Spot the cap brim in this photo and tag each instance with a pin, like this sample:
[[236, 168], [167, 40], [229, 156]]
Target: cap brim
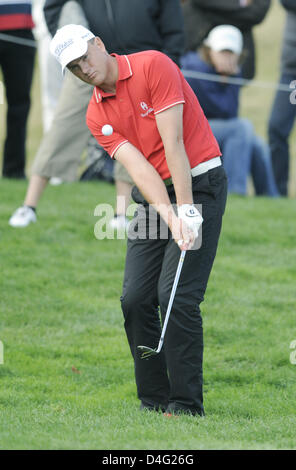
[[223, 46]]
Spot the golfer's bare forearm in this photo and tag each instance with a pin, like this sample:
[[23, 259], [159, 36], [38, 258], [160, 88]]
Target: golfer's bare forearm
[[170, 127], [179, 167]]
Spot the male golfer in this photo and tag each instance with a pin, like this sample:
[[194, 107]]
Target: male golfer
[[146, 116]]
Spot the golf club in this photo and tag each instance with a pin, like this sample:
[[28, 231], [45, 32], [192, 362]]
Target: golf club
[[147, 352]]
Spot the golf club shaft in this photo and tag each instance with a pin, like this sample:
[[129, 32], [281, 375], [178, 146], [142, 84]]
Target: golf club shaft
[[172, 296]]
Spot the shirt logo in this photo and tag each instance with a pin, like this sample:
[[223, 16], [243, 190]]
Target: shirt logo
[[146, 109]]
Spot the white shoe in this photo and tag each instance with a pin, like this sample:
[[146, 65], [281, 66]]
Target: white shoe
[[119, 222], [55, 181], [22, 217]]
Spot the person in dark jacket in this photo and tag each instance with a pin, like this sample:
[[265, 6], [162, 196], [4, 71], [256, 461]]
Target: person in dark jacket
[[283, 111], [200, 16], [17, 63], [125, 27], [129, 26]]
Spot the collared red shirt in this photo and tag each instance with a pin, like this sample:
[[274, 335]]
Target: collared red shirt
[[149, 83]]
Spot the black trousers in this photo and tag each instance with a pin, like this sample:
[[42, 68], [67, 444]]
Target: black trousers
[[17, 63], [172, 379]]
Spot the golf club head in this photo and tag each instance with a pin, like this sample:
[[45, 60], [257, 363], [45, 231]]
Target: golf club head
[[146, 351]]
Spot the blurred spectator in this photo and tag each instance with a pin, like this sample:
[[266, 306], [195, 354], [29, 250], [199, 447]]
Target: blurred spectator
[[136, 26], [283, 112], [51, 78], [203, 15], [50, 72], [17, 63], [243, 151]]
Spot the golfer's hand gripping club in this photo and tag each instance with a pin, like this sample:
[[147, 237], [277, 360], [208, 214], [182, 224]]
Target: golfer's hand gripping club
[[193, 220]]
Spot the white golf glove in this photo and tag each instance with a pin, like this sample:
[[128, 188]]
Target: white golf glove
[[190, 215]]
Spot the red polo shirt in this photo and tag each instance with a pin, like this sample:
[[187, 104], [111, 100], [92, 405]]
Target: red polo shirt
[[148, 83]]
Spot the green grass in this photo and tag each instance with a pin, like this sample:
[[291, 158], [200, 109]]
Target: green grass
[[60, 309]]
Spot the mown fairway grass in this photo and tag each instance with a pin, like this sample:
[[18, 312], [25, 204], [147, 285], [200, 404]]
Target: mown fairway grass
[[67, 378]]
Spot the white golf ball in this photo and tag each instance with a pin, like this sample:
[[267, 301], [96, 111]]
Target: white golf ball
[[107, 129]]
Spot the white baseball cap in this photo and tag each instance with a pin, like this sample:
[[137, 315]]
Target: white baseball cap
[[225, 37], [69, 43]]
